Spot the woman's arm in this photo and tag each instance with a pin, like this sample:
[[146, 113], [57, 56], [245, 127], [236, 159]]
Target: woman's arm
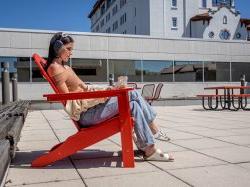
[[63, 88]]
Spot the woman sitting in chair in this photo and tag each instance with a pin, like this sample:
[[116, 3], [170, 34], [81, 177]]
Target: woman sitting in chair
[[94, 111]]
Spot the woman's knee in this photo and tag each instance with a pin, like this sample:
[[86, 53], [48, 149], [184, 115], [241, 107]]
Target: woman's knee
[[134, 94], [134, 106]]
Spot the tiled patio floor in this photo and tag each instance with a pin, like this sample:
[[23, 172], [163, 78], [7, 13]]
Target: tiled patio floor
[[211, 148]]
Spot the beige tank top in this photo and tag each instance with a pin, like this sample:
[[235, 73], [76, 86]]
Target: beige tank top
[[68, 77]]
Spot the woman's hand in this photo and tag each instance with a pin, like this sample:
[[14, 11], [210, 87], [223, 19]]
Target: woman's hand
[[104, 99], [84, 86], [110, 88]]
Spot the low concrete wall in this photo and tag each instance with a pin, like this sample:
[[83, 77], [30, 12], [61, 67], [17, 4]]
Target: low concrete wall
[[35, 91]]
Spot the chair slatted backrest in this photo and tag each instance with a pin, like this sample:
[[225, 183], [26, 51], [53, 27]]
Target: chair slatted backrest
[[148, 90], [158, 91], [41, 63]]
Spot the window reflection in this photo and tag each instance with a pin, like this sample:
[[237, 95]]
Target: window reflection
[[130, 68], [23, 69], [90, 70], [188, 71], [36, 74], [217, 71], [239, 68], [157, 71], [12, 64], [97, 70]]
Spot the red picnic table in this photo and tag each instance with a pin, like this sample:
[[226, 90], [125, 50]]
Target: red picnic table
[[227, 99]]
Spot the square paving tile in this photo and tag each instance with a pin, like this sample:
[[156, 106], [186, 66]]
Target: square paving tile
[[203, 143], [98, 151], [245, 131], [148, 179], [214, 133], [233, 154], [60, 183], [111, 166], [36, 145], [23, 174], [239, 139], [188, 159], [221, 176], [245, 165]]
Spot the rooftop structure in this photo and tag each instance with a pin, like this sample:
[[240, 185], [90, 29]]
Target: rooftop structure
[[206, 19]]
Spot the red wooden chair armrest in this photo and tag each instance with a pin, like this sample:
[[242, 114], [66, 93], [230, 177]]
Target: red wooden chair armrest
[[86, 95]]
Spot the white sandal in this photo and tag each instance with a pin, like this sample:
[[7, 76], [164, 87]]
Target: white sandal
[[159, 156], [160, 135]]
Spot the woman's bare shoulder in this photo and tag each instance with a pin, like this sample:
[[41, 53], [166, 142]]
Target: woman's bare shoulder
[[55, 69]]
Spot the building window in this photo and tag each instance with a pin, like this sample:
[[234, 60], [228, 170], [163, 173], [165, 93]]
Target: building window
[[225, 20], [23, 69], [122, 3], [102, 22], [108, 30], [135, 12], [130, 68], [115, 25], [97, 28], [107, 17], [114, 10], [239, 68], [135, 29], [204, 3], [188, 71], [102, 9], [228, 3], [216, 71], [123, 19], [109, 2], [35, 72], [238, 35], [211, 34], [90, 70], [157, 71], [174, 3], [225, 35], [174, 22]]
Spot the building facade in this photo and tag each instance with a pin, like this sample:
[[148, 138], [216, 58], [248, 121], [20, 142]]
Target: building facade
[[207, 19], [185, 66]]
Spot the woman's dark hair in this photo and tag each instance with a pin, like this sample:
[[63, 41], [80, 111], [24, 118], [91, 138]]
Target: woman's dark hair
[[60, 36]]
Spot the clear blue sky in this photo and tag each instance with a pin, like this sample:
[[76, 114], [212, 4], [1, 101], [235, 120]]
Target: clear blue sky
[[60, 14]]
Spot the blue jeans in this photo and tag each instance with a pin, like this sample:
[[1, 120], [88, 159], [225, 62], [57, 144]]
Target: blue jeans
[[142, 112]]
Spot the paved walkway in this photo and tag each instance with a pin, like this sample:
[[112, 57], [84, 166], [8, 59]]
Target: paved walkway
[[210, 149]]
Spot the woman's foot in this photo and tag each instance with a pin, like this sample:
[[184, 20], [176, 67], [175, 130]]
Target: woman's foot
[[160, 135], [158, 155]]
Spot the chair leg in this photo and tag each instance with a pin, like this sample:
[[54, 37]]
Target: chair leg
[[127, 146], [78, 142]]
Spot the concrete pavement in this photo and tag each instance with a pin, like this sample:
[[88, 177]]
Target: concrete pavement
[[211, 148]]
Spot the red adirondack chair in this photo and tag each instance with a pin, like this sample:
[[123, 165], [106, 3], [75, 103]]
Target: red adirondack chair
[[88, 136]]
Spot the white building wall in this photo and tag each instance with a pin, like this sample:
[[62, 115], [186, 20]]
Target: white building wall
[[154, 17], [198, 28], [216, 23], [23, 43], [157, 22], [171, 12], [193, 7], [242, 30], [142, 19]]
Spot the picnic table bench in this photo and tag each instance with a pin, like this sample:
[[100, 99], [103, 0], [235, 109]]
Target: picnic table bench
[[227, 100]]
